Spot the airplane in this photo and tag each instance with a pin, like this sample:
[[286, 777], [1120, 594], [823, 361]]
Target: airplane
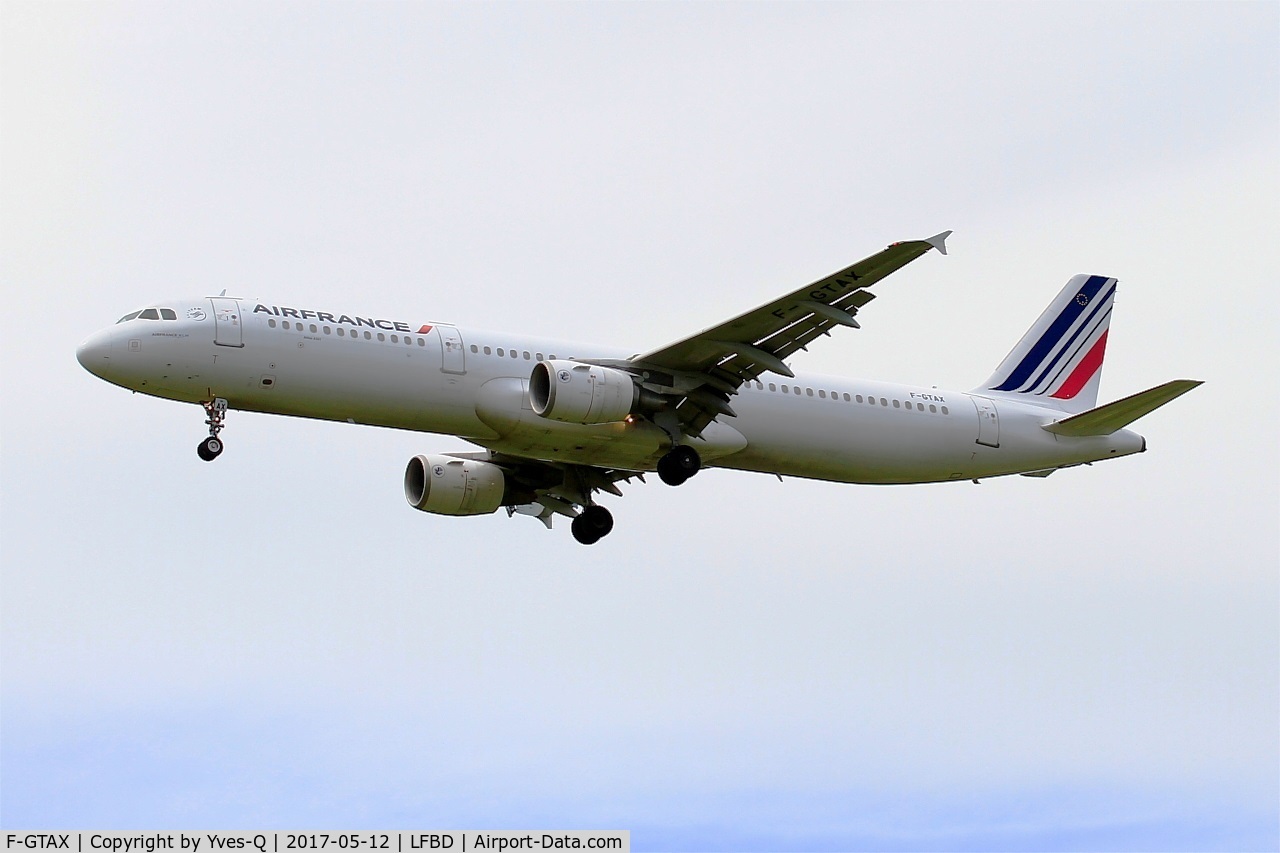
[[558, 422]]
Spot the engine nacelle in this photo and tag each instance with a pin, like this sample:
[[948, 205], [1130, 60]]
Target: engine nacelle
[[451, 486], [578, 393]]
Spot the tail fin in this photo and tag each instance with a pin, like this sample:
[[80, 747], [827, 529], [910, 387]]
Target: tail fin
[[1059, 359]]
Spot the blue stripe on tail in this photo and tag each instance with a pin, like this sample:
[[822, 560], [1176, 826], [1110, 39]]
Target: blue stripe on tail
[[1087, 328], [1053, 335]]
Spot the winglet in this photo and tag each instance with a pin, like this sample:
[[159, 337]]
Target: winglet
[[939, 241]]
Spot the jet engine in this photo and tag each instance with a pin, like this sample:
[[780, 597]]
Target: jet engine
[[578, 393], [451, 486]]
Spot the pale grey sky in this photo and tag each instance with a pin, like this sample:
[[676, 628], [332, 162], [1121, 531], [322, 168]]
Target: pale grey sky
[[1087, 661]]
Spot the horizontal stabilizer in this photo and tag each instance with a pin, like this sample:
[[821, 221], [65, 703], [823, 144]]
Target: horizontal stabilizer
[[1105, 420]]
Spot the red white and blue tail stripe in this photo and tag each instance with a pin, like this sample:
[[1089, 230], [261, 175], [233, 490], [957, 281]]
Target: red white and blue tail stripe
[[1059, 359]]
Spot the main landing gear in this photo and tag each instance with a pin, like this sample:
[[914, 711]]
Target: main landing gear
[[592, 524], [678, 465], [211, 447]]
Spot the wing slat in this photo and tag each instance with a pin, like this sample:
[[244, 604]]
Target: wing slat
[[759, 340]]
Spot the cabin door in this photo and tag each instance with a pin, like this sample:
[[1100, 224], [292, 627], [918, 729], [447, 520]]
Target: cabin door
[[988, 422], [227, 331], [455, 359]]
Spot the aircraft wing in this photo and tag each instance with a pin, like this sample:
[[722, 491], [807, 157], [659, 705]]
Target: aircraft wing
[[723, 357], [553, 488]]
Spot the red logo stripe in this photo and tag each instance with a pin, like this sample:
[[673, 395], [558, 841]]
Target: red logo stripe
[[424, 330], [1084, 370]]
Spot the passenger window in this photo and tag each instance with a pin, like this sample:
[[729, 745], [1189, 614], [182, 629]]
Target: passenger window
[[897, 405], [271, 323], [167, 314], [786, 389], [395, 339], [527, 357], [368, 337], [382, 337], [797, 390], [341, 333], [328, 331], [884, 402], [538, 356], [553, 356], [475, 348], [859, 397], [944, 411], [809, 391], [422, 342], [313, 328], [933, 410], [919, 407], [149, 314], [515, 354], [501, 352], [285, 323], [487, 351], [773, 387]]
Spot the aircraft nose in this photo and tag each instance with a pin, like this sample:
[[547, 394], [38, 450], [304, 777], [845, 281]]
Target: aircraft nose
[[94, 354]]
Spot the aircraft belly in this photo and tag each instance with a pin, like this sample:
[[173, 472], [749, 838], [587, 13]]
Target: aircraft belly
[[319, 378], [855, 445], [887, 445]]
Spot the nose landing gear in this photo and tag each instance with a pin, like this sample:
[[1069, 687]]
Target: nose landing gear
[[211, 447], [678, 465]]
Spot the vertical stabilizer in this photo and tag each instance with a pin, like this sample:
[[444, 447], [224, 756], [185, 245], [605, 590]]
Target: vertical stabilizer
[[1059, 359]]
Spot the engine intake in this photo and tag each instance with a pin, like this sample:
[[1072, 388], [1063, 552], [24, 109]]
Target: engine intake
[[578, 393], [448, 485]]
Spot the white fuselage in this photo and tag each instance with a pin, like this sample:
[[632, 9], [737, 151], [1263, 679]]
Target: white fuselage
[[474, 384]]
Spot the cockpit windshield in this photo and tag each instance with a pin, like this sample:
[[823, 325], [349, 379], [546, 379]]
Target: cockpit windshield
[[149, 314]]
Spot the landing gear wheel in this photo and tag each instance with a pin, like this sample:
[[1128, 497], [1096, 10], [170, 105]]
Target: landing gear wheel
[[592, 525], [677, 466], [209, 449], [216, 409]]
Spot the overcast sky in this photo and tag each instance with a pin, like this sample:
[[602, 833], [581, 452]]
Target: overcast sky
[[278, 641]]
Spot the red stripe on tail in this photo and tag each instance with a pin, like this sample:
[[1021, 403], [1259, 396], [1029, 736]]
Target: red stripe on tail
[[1084, 370]]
